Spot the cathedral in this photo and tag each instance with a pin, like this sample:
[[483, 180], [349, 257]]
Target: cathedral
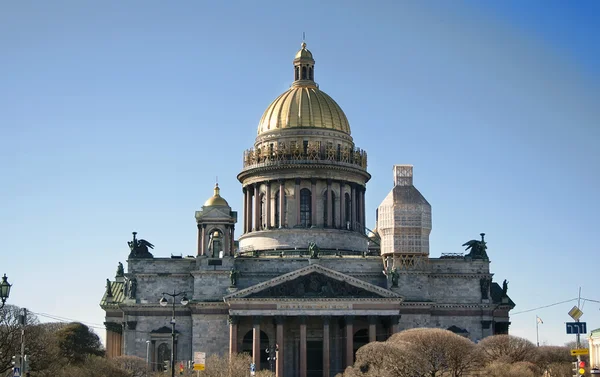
[[306, 283]]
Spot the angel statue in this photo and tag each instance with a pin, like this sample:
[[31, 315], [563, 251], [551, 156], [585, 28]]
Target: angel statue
[[139, 248], [478, 248]]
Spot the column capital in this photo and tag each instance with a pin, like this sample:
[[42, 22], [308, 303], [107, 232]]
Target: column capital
[[298, 180], [302, 319], [256, 320], [279, 319], [281, 181], [233, 320], [349, 319], [313, 181], [326, 319], [329, 180], [373, 319], [244, 189], [268, 183]]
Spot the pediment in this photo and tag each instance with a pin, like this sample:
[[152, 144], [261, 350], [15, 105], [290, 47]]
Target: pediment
[[222, 213], [314, 281]]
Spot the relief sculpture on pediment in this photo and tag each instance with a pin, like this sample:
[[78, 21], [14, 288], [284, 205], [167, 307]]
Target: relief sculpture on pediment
[[314, 285]]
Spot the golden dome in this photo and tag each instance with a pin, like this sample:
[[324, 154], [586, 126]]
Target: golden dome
[[304, 107], [216, 199]]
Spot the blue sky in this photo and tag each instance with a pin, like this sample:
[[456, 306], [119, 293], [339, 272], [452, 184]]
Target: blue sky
[[118, 116]]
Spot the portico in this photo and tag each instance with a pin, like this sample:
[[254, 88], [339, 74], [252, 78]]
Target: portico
[[316, 317]]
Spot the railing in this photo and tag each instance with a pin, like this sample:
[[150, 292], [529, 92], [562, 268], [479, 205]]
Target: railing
[[452, 255], [312, 152], [301, 253]]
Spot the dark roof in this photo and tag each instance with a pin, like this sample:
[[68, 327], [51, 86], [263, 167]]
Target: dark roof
[[497, 294]]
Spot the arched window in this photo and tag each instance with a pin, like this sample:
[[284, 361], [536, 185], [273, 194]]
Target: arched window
[[215, 243], [305, 208], [297, 73], [348, 209], [264, 344], [303, 73]]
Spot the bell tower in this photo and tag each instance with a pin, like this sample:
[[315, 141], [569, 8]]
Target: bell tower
[[216, 226]]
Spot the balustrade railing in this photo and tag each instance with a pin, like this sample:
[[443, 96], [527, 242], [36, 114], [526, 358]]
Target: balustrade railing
[[282, 153]]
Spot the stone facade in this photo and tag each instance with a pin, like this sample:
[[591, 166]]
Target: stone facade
[[305, 277]]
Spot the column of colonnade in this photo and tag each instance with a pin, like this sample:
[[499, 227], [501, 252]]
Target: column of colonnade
[[301, 321], [253, 205]]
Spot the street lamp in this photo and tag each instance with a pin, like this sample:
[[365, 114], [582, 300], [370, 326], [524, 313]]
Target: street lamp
[[147, 356], [271, 351], [163, 302], [4, 290]]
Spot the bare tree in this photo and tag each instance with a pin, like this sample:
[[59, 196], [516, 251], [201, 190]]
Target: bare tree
[[506, 348], [10, 334], [385, 359], [133, 365], [438, 350], [501, 369]]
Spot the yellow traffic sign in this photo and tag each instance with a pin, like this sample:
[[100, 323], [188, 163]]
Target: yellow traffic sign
[[575, 313], [580, 352], [198, 366]]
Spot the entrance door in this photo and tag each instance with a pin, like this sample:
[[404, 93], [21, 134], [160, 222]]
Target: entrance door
[[314, 358]]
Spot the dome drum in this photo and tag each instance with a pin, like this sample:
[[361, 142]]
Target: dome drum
[[328, 240]]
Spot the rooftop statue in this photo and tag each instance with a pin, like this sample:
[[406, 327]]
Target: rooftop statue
[[478, 248], [108, 289], [313, 250], [139, 248], [504, 288], [120, 270]]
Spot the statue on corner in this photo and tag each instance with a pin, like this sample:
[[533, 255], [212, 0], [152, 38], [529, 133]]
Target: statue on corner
[[139, 248], [120, 270], [131, 288], [478, 249]]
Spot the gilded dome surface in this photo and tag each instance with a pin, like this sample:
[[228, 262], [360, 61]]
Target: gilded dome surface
[[304, 107], [216, 199]]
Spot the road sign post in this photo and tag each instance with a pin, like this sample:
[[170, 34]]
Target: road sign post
[[199, 360]]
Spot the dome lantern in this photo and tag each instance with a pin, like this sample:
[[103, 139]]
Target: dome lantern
[[304, 67]]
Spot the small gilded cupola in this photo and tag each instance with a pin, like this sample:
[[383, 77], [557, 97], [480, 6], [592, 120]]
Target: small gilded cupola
[[304, 67]]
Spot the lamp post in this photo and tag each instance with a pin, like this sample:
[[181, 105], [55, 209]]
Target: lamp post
[[4, 290], [272, 352], [163, 302], [147, 356]]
